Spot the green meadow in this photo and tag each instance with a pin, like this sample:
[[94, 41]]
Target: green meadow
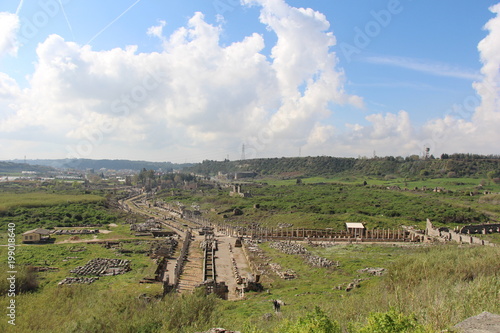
[[426, 288]]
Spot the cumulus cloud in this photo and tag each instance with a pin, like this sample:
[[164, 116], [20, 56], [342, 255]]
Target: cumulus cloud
[[157, 30], [307, 74], [193, 96], [9, 27], [196, 98]]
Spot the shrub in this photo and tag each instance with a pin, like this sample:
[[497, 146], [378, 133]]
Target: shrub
[[26, 281], [392, 321], [314, 322]]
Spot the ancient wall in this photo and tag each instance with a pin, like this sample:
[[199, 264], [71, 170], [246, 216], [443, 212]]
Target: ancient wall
[[450, 235], [182, 258]]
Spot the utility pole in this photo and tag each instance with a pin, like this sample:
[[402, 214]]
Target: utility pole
[[243, 152]]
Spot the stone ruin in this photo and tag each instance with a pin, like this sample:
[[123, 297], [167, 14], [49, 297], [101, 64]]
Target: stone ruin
[[148, 226], [102, 267], [262, 268], [356, 283], [288, 274], [165, 248], [297, 249], [373, 271], [76, 232], [219, 330], [213, 287], [78, 280]]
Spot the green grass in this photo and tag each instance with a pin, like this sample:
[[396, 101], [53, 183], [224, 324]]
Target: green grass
[[329, 205], [440, 285], [36, 199], [62, 257]]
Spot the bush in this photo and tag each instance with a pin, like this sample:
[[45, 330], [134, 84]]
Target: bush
[[314, 322], [26, 281], [392, 322]]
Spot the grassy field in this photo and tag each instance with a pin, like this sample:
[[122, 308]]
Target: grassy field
[[40, 199], [327, 203], [438, 286]]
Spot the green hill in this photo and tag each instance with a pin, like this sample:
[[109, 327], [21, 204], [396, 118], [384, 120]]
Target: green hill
[[15, 168], [458, 165]]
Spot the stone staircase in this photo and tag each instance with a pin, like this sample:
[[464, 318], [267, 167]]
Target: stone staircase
[[192, 273]]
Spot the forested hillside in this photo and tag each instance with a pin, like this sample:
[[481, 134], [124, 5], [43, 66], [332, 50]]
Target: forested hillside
[[457, 165], [82, 164], [10, 167]]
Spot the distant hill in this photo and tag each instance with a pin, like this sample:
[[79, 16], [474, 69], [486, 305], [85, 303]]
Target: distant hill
[[458, 165], [11, 167], [83, 164]]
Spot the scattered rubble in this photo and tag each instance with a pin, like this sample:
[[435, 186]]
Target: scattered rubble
[[219, 330], [78, 280], [76, 232], [373, 271], [101, 267], [166, 248], [287, 274], [44, 269], [147, 226], [356, 283], [297, 249]]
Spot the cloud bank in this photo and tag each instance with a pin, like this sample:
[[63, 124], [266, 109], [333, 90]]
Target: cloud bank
[[197, 99]]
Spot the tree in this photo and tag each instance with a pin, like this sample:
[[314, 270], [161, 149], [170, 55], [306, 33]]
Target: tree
[[424, 173]]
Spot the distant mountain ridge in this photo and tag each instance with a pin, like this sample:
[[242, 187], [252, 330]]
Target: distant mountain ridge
[[83, 164]]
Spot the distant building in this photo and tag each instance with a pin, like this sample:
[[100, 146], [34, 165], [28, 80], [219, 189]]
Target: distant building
[[236, 192], [36, 236], [246, 174], [355, 228]]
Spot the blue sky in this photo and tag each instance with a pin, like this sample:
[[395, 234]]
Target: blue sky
[[342, 78]]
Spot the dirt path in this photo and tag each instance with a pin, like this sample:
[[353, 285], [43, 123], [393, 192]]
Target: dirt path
[[224, 264]]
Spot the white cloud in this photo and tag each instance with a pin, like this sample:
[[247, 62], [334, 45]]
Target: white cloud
[[157, 30], [9, 27], [195, 96], [197, 99]]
